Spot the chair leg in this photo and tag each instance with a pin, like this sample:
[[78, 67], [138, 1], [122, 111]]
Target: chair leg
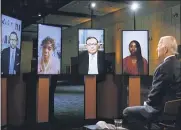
[[149, 126], [162, 128]]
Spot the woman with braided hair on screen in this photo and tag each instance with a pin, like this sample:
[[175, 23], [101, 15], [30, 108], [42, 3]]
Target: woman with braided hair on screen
[[135, 63]]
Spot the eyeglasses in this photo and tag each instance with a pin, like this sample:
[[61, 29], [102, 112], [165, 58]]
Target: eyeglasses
[[93, 44], [13, 40]]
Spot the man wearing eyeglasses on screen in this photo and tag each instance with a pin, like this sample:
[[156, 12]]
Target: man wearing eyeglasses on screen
[[10, 63], [92, 60], [48, 64]]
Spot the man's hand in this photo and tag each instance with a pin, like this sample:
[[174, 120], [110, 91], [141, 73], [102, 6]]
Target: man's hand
[[145, 103], [39, 69]]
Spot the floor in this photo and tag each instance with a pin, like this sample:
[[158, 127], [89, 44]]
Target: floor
[[46, 126]]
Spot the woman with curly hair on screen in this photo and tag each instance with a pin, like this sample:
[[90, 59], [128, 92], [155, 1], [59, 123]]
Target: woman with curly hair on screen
[[48, 64]]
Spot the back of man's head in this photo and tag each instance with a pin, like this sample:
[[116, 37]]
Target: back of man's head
[[170, 43]]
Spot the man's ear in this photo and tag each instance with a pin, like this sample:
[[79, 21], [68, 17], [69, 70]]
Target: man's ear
[[9, 39], [99, 45], [85, 45], [166, 50]]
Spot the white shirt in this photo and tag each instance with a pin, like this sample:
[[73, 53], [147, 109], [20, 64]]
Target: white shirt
[[12, 61], [168, 57], [53, 66], [93, 69]]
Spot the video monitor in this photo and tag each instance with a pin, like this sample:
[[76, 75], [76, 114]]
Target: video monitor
[[91, 51], [49, 50], [135, 52], [10, 45]]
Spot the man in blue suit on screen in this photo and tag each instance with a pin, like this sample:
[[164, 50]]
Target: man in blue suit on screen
[[10, 57], [91, 61]]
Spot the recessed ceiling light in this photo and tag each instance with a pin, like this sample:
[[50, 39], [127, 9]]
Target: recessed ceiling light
[[93, 4], [134, 6]]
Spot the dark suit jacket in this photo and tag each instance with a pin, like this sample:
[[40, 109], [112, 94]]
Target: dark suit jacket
[[5, 54], [84, 62], [166, 83]]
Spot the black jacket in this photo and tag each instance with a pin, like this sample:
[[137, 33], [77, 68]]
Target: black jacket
[[5, 55], [166, 83], [84, 63]]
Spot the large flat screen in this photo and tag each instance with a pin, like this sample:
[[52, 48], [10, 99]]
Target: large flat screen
[[10, 45], [91, 51], [135, 52], [49, 50]]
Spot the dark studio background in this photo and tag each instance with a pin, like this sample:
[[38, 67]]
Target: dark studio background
[[21, 104]]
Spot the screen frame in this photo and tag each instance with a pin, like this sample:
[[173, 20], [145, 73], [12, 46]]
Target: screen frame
[[51, 114], [118, 79], [147, 51], [179, 51], [17, 74], [104, 72], [47, 75]]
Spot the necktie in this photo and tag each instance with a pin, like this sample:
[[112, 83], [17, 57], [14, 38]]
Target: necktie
[[12, 63], [92, 57]]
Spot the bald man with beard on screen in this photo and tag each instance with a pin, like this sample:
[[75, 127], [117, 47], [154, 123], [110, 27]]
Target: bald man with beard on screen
[[91, 61]]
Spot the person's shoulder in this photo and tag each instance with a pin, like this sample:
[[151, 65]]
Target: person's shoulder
[[5, 50], [55, 63], [55, 59], [126, 58], [101, 52], [39, 59], [169, 65], [83, 53], [145, 60], [169, 62], [18, 49]]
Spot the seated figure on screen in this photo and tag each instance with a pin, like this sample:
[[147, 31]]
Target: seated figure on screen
[[48, 64], [135, 64], [10, 62], [92, 60]]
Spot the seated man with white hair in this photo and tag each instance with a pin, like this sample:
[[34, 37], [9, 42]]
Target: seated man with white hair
[[165, 85]]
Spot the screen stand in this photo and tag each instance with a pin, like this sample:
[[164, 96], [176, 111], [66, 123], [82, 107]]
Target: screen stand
[[134, 91], [3, 102], [90, 96], [134, 84], [42, 111]]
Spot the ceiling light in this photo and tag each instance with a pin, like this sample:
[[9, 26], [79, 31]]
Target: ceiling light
[[39, 14], [134, 6], [93, 4]]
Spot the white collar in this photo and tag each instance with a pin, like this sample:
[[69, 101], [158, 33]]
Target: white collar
[[168, 57], [94, 55], [12, 50]]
